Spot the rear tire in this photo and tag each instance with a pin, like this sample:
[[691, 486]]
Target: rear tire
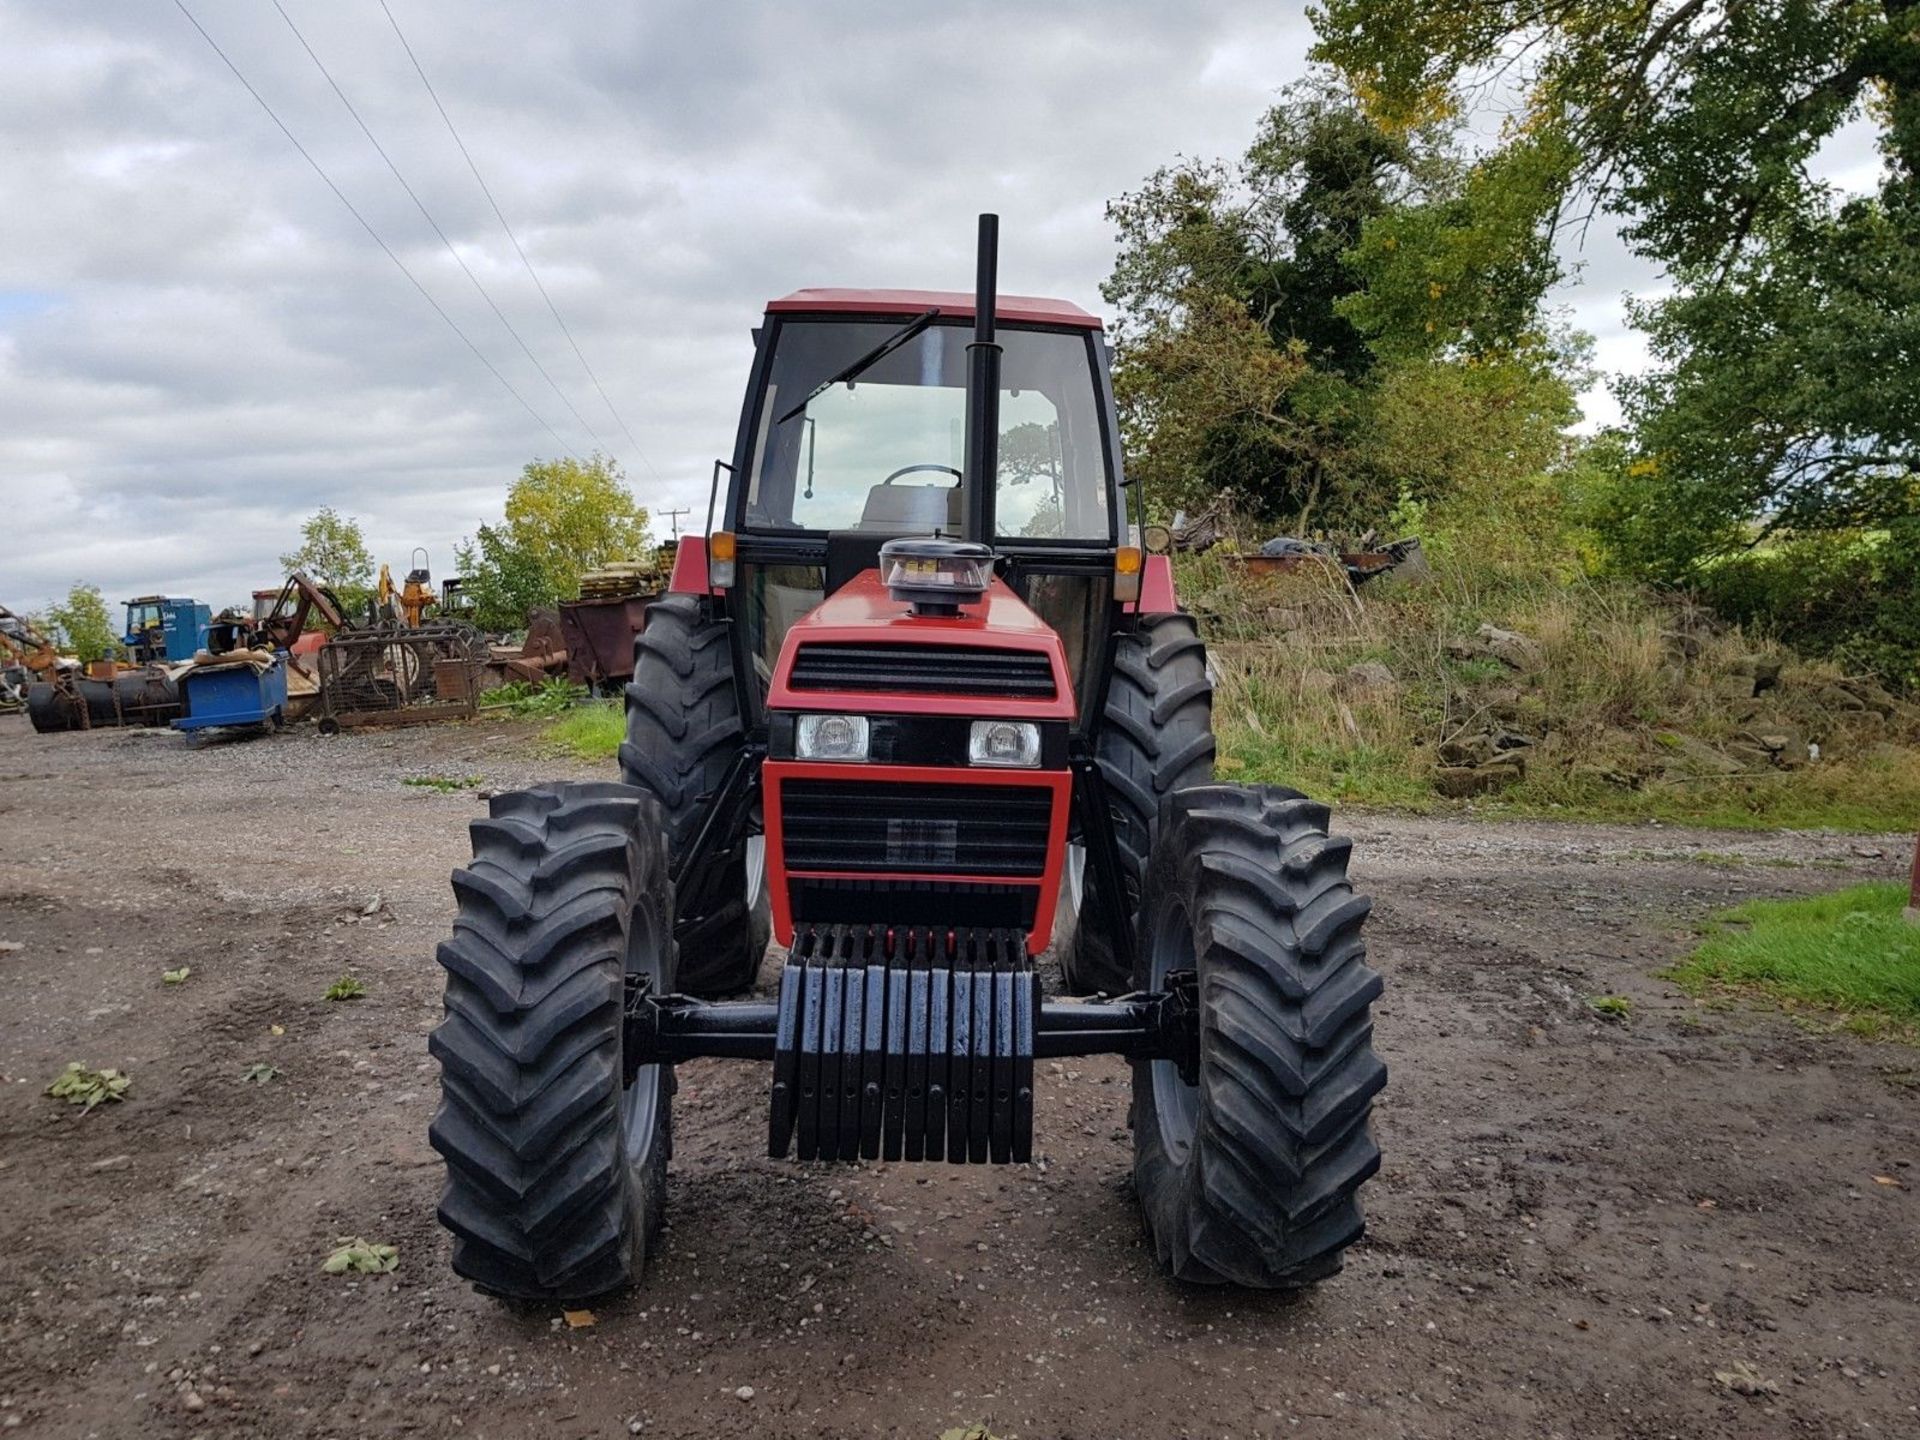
[[683, 731], [556, 1171], [1155, 736], [1252, 1175]]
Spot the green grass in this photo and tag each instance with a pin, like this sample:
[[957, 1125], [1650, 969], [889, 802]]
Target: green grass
[[1358, 773], [1850, 952], [592, 731], [1867, 797]]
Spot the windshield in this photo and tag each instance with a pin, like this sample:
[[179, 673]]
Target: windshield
[[883, 454]]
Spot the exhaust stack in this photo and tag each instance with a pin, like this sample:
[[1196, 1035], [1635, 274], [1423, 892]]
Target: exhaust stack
[[982, 463]]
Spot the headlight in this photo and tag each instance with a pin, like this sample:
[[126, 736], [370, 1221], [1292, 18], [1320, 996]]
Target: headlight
[[1014, 744], [831, 737]]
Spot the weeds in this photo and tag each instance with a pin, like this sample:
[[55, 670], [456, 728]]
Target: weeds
[[346, 988], [445, 784], [77, 1085], [176, 977], [1611, 1007], [549, 698], [1617, 669]]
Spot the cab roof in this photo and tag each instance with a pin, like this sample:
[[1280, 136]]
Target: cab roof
[[1009, 309]]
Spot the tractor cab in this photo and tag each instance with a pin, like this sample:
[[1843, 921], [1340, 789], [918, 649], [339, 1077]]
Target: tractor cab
[[165, 629], [854, 432]]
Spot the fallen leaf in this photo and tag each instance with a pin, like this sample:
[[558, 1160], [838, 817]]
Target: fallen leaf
[[580, 1319], [1888, 1180], [1708, 1205], [175, 977], [277, 1029]]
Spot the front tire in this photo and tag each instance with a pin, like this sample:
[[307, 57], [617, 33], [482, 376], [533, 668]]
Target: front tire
[[1155, 736], [556, 1170], [1251, 1176], [683, 731]]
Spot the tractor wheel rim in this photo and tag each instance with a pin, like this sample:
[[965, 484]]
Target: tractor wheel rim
[[640, 1100], [1176, 1104], [756, 869]]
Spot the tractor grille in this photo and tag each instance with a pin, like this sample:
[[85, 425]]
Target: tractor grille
[[924, 670], [916, 829]]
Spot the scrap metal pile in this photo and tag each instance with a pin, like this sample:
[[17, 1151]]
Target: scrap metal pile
[[412, 657]]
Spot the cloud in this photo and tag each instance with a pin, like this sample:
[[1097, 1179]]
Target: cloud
[[199, 345]]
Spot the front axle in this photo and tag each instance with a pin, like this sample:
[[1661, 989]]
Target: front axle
[[908, 1044]]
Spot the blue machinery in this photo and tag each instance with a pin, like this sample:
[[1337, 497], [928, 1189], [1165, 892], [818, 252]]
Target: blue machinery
[[238, 693]]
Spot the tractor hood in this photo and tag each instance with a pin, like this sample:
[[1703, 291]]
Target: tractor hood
[[860, 649]]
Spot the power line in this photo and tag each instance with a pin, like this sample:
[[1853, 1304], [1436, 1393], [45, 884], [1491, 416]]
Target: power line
[[486, 190], [340, 195], [427, 215]]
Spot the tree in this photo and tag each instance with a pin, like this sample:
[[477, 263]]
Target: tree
[[1785, 392], [1269, 309], [1697, 118], [1784, 400], [82, 625], [563, 518], [1779, 429], [333, 552]]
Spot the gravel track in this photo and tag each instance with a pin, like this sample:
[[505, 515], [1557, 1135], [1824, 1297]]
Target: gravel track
[[1669, 1226]]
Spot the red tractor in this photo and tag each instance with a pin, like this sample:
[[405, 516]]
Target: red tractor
[[921, 710]]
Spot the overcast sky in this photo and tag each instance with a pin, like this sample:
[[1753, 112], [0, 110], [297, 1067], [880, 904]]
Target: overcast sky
[[199, 344]]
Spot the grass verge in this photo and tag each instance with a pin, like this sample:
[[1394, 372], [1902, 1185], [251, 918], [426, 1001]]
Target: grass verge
[[1850, 952], [592, 731], [1633, 707]]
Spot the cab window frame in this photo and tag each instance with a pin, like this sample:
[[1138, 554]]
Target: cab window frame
[[793, 539]]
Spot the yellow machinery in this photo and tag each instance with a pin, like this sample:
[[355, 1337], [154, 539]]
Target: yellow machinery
[[409, 603]]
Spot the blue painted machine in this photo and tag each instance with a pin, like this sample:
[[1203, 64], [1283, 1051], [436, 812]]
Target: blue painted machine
[[235, 692], [166, 628]]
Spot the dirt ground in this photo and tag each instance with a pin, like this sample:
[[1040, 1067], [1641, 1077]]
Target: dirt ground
[[1583, 1227]]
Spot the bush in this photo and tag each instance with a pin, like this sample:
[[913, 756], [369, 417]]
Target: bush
[[1850, 595]]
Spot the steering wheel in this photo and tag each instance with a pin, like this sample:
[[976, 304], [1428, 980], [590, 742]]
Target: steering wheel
[[915, 469]]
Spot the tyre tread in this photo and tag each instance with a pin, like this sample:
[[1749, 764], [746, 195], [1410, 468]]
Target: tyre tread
[[1269, 1194], [538, 1196]]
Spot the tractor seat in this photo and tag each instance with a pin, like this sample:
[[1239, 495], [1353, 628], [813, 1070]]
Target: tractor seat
[[911, 510]]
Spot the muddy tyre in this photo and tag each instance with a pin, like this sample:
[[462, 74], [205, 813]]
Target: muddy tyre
[[1251, 1176], [1156, 736], [556, 1169], [683, 731]]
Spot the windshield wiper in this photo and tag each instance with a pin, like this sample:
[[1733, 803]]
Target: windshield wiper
[[865, 363]]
